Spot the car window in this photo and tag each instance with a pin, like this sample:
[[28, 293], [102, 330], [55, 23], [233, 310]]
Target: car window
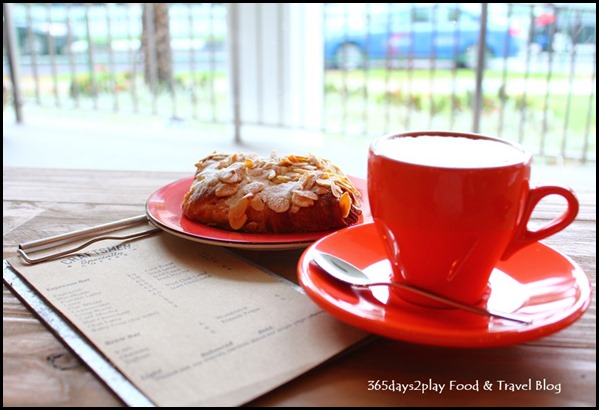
[[456, 14], [421, 14]]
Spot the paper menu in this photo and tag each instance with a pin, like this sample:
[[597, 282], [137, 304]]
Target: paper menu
[[187, 323]]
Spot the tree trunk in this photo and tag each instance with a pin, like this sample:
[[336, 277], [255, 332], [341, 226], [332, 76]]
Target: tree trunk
[[156, 30]]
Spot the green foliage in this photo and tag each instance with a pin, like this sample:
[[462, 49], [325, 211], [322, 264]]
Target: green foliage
[[88, 85], [534, 118]]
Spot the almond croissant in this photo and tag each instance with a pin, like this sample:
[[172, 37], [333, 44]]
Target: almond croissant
[[243, 192]]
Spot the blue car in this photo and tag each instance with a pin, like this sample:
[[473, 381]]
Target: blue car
[[360, 34]]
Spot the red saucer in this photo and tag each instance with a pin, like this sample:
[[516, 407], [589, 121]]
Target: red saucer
[[538, 282]]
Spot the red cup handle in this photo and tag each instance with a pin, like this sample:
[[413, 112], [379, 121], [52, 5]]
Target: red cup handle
[[523, 237]]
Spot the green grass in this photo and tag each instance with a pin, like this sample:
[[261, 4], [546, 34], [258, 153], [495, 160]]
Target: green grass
[[104, 41], [382, 74], [558, 118], [359, 105]]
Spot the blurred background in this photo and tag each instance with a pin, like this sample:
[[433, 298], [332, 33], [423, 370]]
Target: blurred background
[[335, 74]]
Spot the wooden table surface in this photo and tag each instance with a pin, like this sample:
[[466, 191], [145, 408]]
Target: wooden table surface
[[39, 371]]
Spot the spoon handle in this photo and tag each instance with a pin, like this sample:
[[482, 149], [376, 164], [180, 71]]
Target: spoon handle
[[450, 302], [348, 273]]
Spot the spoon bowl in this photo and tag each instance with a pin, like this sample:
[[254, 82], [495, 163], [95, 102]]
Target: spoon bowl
[[348, 273]]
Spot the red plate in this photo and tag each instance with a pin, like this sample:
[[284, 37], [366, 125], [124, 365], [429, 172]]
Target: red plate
[[537, 282], [164, 210]]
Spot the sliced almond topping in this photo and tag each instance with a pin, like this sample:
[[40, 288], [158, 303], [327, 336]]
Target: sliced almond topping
[[301, 201], [238, 209], [278, 204], [255, 172], [253, 187], [320, 190], [229, 176], [237, 224], [335, 190], [304, 179], [226, 189], [345, 183], [300, 171], [345, 204], [257, 204], [305, 167], [324, 182], [306, 194], [310, 181], [285, 161]]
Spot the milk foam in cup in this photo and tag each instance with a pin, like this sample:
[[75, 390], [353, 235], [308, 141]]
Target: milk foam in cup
[[451, 152]]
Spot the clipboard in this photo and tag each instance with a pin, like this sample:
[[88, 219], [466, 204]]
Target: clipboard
[[74, 341], [101, 362]]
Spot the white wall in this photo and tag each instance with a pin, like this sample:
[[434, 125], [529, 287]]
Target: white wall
[[280, 50]]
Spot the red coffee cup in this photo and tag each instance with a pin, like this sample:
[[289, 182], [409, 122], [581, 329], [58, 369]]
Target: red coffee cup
[[450, 205]]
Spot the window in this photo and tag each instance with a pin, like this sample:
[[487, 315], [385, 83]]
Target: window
[[421, 15]]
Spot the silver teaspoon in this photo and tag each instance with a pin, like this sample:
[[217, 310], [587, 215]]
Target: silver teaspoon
[[348, 273]]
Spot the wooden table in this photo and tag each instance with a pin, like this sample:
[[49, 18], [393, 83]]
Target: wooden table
[[39, 371]]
